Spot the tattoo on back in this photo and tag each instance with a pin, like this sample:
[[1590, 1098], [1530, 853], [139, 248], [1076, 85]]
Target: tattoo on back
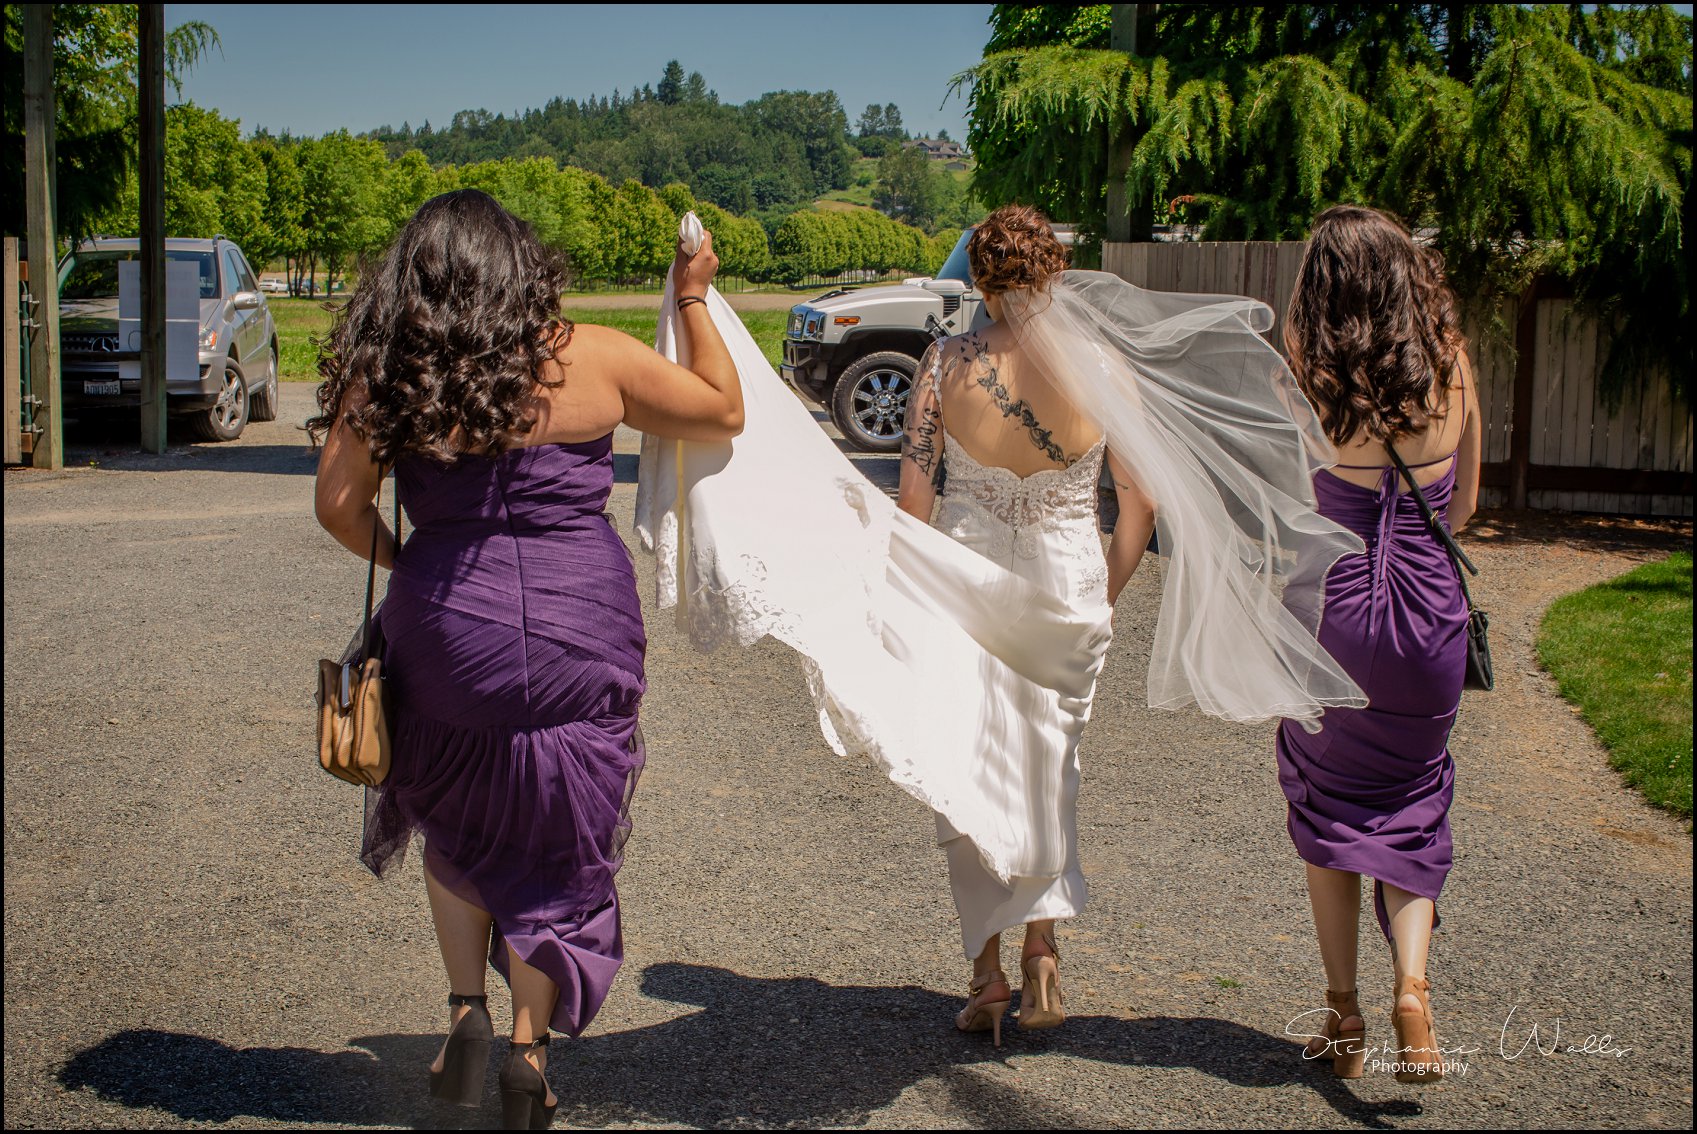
[[1015, 408]]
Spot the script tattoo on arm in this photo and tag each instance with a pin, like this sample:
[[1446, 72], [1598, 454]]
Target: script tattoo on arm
[[922, 441]]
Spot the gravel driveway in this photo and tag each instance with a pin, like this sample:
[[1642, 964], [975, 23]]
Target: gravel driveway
[[189, 939]]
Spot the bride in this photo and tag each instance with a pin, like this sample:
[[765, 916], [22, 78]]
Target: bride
[[962, 657], [997, 458]]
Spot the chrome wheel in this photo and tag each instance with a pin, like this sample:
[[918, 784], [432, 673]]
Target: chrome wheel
[[880, 403]]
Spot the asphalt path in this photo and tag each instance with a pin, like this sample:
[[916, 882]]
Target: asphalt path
[[190, 940]]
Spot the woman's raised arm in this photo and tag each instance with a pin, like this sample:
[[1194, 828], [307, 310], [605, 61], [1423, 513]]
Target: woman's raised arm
[[702, 402]]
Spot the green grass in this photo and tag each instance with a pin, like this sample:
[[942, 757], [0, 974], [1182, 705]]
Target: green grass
[[767, 327], [1227, 982], [298, 320], [1621, 652]]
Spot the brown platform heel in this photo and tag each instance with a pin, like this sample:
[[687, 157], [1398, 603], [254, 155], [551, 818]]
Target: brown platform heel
[[524, 1090], [465, 1058], [1419, 1060], [1040, 997], [986, 1015], [1347, 1046]]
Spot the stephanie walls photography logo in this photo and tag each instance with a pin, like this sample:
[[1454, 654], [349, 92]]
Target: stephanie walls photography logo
[[1521, 1036]]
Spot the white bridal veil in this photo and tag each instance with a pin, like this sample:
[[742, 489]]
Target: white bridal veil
[[1208, 418], [901, 630]]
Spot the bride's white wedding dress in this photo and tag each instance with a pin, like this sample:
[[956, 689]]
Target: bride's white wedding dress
[[1041, 527], [962, 658]]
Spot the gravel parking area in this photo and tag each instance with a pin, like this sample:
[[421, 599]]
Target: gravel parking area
[[190, 940]]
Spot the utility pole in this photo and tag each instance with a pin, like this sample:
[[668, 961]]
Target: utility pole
[[152, 144], [39, 105]]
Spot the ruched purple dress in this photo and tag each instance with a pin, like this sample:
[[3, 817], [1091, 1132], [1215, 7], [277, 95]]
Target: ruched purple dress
[[514, 657], [1371, 791]]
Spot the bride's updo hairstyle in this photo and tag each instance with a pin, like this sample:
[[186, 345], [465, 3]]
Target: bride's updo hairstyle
[[446, 337], [1372, 331], [1013, 248]]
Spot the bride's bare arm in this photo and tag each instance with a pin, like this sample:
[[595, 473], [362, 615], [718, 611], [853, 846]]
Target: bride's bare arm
[[922, 442], [1131, 531]]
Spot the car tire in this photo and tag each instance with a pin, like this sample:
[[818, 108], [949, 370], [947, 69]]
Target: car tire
[[869, 403], [225, 420], [264, 404]]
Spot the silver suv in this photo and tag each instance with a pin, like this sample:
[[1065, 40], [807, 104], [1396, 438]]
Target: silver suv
[[236, 379]]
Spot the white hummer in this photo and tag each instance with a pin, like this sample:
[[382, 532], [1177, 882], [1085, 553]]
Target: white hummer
[[855, 352]]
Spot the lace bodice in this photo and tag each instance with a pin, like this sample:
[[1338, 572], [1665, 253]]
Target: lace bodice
[[1027, 506]]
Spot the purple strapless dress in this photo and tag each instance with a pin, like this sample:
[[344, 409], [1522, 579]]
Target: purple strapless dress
[[514, 660], [1371, 791]]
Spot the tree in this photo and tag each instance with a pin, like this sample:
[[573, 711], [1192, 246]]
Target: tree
[[893, 122], [95, 69], [871, 124], [341, 182], [283, 201], [1531, 139], [906, 188], [671, 90]]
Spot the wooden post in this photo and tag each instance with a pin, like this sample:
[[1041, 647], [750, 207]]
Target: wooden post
[[1123, 21], [14, 357], [1520, 419], [42, 252], [152, 144]]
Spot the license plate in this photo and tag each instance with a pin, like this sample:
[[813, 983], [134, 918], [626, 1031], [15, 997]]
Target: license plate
[[99, 388]]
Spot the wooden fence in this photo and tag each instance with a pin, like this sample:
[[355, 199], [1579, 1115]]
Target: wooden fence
[[1549, 441]]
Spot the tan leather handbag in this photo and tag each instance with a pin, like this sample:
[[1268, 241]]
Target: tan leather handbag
[[353, 708]]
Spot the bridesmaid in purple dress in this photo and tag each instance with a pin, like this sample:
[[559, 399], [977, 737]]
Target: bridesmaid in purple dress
[[514, 638], [1373, 341]]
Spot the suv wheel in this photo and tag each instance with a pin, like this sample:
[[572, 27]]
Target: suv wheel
[[228, 416], [264, 405], [869, 404]]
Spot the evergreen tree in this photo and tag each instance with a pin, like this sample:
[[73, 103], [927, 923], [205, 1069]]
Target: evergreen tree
[[672, 84], [1531, 139]]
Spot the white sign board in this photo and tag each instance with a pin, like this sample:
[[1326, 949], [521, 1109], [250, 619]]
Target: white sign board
[[182, 319]]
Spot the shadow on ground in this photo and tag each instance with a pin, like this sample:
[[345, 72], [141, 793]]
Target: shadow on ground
[[783, 1052], [1502, 526]]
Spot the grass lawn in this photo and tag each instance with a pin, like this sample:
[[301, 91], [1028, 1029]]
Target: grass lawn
[[299, 320], [1621, 652]]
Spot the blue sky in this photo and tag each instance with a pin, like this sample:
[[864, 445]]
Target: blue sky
[[314, 68]]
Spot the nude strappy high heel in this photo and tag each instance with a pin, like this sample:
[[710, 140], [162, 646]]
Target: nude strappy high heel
[[985, 1015], [465, 1059], [1347, 1046], [1040, 997], [1419, 1061]]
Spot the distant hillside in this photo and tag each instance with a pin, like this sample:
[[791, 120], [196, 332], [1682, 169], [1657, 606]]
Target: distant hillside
[[776, 153]]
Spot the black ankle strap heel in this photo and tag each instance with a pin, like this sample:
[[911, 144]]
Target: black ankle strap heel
[[465, 1060], [524, 1089]]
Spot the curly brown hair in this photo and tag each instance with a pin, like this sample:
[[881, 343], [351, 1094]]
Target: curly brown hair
[[1014, 247], [1372, 331], [448, 336]]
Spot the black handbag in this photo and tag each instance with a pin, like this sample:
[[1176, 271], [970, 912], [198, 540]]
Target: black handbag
[[1478, 622]]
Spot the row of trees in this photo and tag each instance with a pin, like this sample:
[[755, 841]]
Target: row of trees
[[1531, 139], [321, 203]]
